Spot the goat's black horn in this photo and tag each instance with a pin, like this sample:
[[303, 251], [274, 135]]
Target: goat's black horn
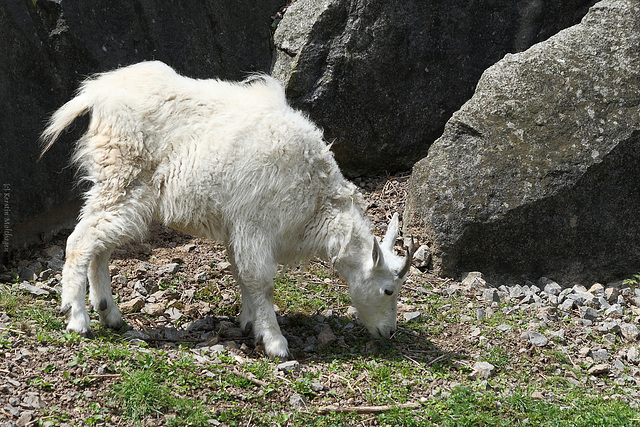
[[411, 249]]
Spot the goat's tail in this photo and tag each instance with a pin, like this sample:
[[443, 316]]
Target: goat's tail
[[62, 118]]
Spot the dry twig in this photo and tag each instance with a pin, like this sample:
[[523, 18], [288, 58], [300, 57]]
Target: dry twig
[[15, 331], [366, 409], [103, 375], [249, 378]]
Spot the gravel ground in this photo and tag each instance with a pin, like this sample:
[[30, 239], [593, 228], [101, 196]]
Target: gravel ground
[[175, 291]]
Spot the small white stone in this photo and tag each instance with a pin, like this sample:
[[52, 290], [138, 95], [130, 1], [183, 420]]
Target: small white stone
[[483, 370], [535, 338], [289, 366], [633, 355], [629, 331], [412, 315]]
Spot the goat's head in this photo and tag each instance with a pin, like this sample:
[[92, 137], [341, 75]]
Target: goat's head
[[374, 292]]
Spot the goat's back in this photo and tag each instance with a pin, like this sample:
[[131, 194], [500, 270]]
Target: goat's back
[[215, 158]]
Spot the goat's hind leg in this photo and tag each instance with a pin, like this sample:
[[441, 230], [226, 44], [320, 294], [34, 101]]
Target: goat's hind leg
[[247, 314], [88, 250], [100, 291], [80, 251]]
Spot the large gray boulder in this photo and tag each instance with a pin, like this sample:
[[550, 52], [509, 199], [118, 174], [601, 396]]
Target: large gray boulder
[[539, 173], [383, 77], [48, 46]]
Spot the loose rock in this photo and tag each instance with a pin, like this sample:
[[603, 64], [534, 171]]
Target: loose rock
[[289, 366], [491, 295], [535, 338], [326, 337], [32, 289], [551, 287], [422, 256], [599, 369], [171, 268], [483, 370], [411, 316], [297, 402], [589, 313], [537, 395], [601, 355], [633, 355], [629, 331], [473, 280], [132, 306]]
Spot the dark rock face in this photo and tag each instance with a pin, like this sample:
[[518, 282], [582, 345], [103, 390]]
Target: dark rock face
[[383, 77], [537, 175], [47, 47]]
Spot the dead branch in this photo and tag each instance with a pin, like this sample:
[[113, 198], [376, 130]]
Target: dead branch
[[366, 409]]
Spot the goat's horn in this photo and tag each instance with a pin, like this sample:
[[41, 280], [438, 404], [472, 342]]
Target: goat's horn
[[411, 249]]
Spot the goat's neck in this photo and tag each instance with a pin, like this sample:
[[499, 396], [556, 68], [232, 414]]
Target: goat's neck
[[349, 243]]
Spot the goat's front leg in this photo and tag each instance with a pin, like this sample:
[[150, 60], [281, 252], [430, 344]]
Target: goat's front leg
[[265, 326]]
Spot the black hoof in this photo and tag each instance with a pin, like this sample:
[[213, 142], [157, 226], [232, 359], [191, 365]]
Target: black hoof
[[248, 328], [122, 327], [88, 334]]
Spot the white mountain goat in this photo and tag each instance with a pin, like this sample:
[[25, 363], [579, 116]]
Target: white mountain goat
[[221, 160]]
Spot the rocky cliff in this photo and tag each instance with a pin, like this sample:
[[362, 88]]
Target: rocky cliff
[[538, 173], [48, 46], [383, 77]]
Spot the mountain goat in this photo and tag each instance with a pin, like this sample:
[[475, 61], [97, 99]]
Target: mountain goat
[[222, 160]]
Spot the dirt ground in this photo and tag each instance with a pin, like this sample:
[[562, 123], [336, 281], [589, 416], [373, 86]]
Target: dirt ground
[[46, 382]]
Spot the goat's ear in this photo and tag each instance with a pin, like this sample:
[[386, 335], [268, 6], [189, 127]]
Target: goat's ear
[[376, 254], [392, 233]]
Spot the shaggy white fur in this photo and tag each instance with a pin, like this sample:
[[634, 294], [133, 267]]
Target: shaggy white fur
[[222, 160]]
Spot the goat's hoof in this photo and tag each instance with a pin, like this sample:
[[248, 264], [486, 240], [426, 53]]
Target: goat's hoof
[[247, 328], [88, 334], [117, 324], [84, 334], [122, 327], [277, 347], [284, 358]]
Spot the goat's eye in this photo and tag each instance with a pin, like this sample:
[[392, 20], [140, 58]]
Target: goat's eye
[[388, 292]]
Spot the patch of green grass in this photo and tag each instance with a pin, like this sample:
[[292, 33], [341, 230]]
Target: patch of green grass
[[303, 386], [499, 357], [308, 292], [557, 357], [261, 368], [141, 393], [467, 408], [45, 318], [210, 293], [156, 386], [189, 412], [634, 282], [4, 342], [9, 301], [41, 384], [296, 295]]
